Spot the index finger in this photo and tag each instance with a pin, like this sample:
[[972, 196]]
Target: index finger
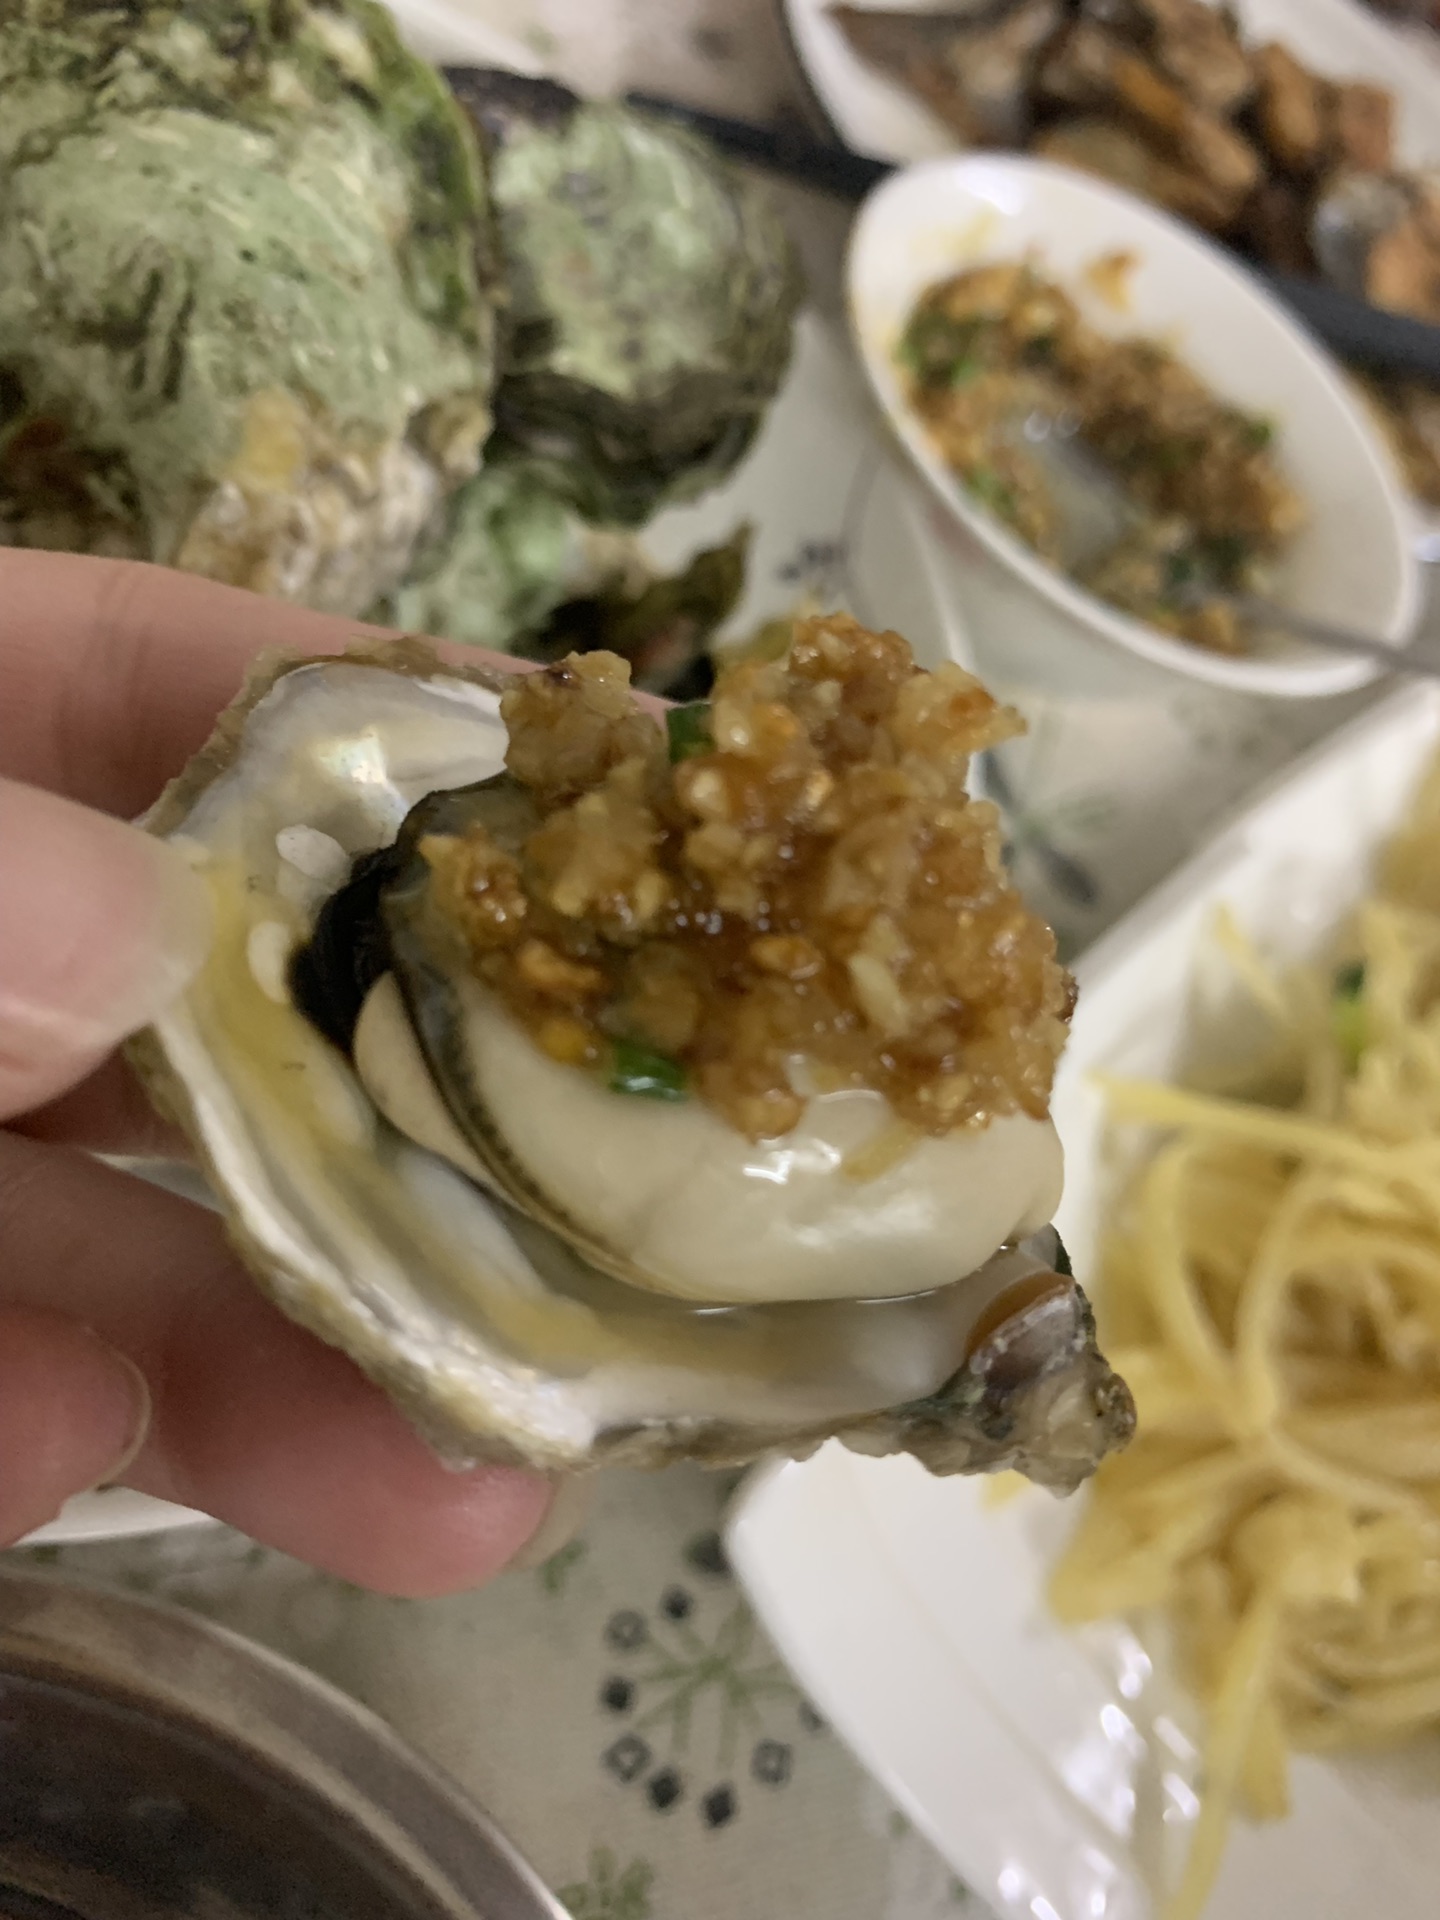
[[112, 671]]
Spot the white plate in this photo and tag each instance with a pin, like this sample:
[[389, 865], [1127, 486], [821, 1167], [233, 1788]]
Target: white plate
[[1335, 37], [835, 518], [114, 1514], [1038, 1760], [1351, 561]]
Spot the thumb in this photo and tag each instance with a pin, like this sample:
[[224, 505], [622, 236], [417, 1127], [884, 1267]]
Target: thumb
[[101, 926]]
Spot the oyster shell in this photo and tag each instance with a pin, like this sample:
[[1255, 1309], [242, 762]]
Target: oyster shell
[[478, 1309], [652, 294], [505, 552], [234, 408], [512, 568]]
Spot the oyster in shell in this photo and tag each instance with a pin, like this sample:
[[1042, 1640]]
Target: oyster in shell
[[652, 294], [246, 290], [537, 1262], [504, 554], [513, 569]]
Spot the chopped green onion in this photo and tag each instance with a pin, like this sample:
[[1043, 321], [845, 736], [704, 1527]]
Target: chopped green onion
[[934, 345], [1259, 433], [1347, 1014], [964, 371], [688, 730], [1226, 554], [1350, 981], [988, 487], [640, 1070]]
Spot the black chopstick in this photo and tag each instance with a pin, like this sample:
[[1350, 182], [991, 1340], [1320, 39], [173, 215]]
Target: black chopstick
[[1352, 329], [810, 163]]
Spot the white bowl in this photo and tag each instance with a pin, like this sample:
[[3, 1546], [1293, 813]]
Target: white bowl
[[1038, 1759], [1352, 562]]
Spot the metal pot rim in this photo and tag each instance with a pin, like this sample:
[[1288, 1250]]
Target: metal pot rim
[[210, 1684]]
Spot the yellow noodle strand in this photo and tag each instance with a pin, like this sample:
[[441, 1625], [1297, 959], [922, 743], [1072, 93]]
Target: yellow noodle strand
[[1237, 1704]]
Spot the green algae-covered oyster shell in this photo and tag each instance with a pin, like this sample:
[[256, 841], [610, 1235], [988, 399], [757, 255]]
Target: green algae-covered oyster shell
[[511, 567], [504, 554], [246, 310], [652, 294]]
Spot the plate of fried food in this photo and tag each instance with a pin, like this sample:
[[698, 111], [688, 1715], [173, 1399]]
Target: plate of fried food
[[1212, 1683], [1303, 133]]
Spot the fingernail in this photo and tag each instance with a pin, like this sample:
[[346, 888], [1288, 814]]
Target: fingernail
[[73, 1415], [132, 1411], [568, 1510]]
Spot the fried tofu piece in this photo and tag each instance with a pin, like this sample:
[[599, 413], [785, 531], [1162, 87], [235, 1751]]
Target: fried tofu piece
[[1362, 126], [977, 79], [1092, 69], [1193, 44], [1290, 107], [1403, 269], [1119, 154]]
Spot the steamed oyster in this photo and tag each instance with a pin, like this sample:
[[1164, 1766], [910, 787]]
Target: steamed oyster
[[652, 292], [246, 298], [657, 1095]]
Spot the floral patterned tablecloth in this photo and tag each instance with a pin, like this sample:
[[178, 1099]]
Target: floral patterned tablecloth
[[618, 1709]]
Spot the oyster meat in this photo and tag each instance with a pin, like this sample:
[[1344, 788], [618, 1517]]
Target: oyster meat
[[496, 1066], [246, 302]]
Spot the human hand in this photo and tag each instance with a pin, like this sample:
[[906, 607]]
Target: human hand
[[132, 1344]]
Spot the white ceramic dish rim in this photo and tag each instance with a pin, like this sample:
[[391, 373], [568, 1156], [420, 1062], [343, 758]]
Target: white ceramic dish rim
[[1225, 846], [114, 1513], [1279, 676]]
